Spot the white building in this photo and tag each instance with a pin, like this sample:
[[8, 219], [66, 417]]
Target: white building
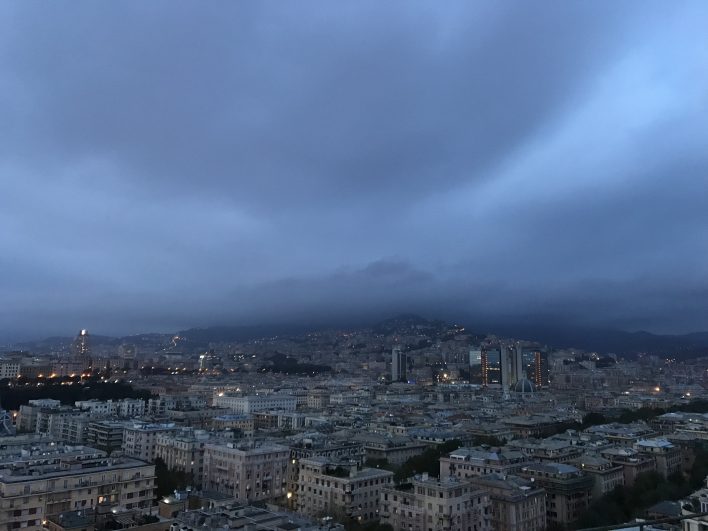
[[9, 368], [126, 408], [140, 439], [251, 403]]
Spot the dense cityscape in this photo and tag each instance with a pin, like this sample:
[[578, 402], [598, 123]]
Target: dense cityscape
[[407, 425], [320, 265]]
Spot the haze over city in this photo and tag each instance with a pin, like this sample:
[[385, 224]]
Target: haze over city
[[165, 165]]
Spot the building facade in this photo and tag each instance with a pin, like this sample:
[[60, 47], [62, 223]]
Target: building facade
[[342, 489], [247, 473], [428, 504], [53, 480]]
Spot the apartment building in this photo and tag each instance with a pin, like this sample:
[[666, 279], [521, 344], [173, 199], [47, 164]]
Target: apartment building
[[183, 451], [51, 479], [396, 450], [309, 447], [551, 450], [235, 517], [62, 423], [623, 434], [429, 504], [341, 489], [568, 490], [318, 399], [246, 472], [605, 474], [106, 435], [252, 403], [9, 368], [665, 454], [165, 403], [632, 462], [517, 504], [126, 408], [470, 462], [140, 439], [70, 428], [28, 415], [233, 421]]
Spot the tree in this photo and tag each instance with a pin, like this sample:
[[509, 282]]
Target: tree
[[593, 419], [428, 461], [167, 481]]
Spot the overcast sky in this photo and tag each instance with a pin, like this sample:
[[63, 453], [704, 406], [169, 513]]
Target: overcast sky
[[174, 164]]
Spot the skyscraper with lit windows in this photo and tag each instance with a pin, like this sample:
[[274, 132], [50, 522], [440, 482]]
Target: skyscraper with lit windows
[[81, 351]]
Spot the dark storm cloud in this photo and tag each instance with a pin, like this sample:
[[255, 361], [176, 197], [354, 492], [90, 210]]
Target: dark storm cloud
[[172, 164]]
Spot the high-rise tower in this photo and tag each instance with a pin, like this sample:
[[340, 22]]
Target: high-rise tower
[[399, 365], [81, 351]]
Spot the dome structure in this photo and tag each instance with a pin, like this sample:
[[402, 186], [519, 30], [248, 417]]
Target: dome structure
[[523, 386]]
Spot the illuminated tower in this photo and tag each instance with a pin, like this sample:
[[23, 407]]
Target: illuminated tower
[[81, 351], [491, 362]]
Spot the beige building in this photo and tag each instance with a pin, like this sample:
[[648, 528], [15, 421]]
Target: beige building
[[140, 439], [29, 414], [9, 368], [428, 504], [517, 504], [183, 451], [604, 473], [341, 489], [666, 455], [238, 422], [317, 399], [632, 462], [396, 450], [465, 463], [252, 403], [316, 447], [568, 490], [53, 479], [248, 472]]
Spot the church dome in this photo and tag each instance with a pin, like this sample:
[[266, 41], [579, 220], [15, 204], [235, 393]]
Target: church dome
[[524, 386]]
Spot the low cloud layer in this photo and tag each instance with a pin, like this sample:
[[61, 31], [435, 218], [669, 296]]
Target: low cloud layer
[[172, 164]]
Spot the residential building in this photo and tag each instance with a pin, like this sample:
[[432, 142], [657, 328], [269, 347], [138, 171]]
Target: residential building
[[605, 474], [233, 421], [183, 451], [395, 450], [632, 462], [568, 490], [28, 414], [342, 489], [251, 403], [316, 446], [9, 368], [234, 517], [429, 504], [666, 455], [465, 463], [517, 504], [140, 439], [106, 435], [246, 472], [126, 408], [52, 479]]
